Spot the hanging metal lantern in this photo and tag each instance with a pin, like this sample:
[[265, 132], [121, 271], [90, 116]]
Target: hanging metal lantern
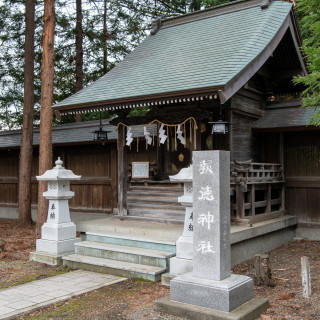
[[100, 135], [220, 127]]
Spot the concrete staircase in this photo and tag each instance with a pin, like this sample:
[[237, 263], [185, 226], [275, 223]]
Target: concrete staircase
[[123, 255], [156, 202]]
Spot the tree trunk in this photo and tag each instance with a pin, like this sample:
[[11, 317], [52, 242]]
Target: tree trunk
[[79, 52], [25, 164], [47, 72], [262, 271], [105, 39]]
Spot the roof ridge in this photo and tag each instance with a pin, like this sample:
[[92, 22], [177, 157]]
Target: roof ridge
[[256, 34], [209, 12]]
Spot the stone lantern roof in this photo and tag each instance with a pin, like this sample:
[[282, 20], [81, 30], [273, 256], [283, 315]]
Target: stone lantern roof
[[185, 175]]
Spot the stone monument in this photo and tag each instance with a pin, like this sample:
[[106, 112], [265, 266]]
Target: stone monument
[[182, 262], [210, 291], [58, 234]]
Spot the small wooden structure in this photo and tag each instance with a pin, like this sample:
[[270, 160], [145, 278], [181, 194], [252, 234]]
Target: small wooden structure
[[258, 191]]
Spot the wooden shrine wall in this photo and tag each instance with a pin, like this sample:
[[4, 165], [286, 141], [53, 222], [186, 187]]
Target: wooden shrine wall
[[245, 108], [9, 176], [97, 164], [302, 171]]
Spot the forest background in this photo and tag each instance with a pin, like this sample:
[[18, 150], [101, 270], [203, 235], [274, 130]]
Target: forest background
[[92, 36]]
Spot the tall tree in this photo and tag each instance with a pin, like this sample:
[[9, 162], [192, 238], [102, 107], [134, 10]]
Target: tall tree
[[105, 39], [309, 12], [25, 164], [47, 74], [79, 52], [79, 47]]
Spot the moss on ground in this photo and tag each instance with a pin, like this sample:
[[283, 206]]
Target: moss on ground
[[18, 272]]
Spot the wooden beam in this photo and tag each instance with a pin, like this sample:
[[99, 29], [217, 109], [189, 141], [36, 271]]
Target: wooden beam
[[252, 200], [122, 174], [297, 46], [165, 98], [301, 182], [231, 135], [268, 196], [114, 180], [239, 203], [246, 106]]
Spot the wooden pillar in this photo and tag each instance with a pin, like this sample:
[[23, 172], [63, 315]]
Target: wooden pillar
[[239, 203], [122, 174], [160, 153], [230, 135], [198, 136], [113, 173], [252, 200], [281, 159], [268, 207]]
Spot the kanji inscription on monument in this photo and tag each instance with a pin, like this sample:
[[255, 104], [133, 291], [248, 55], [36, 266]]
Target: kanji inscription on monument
[[211, 209]]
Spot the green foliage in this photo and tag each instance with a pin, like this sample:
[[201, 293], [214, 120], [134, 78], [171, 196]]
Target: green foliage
[[128, 22], [309, 12]]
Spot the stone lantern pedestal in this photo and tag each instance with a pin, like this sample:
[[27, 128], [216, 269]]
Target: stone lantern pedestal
[[182, 262], [58, 234]]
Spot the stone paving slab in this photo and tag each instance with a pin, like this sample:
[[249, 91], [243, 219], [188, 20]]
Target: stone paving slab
[[35, 295]]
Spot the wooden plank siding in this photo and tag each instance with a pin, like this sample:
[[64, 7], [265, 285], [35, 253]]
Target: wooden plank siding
[[245, 108], [242, 140], [302, 169], [96, 163]]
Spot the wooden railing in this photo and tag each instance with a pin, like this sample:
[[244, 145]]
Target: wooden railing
[[257, 191]]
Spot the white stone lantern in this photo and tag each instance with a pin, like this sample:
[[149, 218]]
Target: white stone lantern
[[182, 262], [58, 234]]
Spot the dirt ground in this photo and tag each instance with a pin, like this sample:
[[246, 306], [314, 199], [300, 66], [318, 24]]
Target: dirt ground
[[133, 299], [15, 245]]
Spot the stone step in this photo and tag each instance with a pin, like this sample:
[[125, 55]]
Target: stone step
[[152, 201], [156, 207], [115, 267], [170, 220], [124, 253], [131, 240], [157, 189], [144, 196], [149, 212]]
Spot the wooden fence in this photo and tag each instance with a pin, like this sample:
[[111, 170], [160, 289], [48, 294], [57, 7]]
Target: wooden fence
[[257, 191]]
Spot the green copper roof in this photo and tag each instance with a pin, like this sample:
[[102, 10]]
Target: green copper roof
[[199, 52]]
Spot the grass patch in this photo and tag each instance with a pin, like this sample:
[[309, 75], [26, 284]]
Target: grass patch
[[141, 280], [62, 310]]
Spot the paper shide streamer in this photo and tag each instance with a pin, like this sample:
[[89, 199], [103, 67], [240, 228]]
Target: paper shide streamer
[[179, 132]]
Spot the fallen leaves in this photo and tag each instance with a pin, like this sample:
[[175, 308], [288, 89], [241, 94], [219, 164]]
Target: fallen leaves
[[287, 296], [134, 300]]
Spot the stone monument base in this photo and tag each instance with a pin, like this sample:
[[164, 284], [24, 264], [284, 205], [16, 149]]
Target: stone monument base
[[180, 266], [56, 247], [248, 311], [224, 295], [48, 258]]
